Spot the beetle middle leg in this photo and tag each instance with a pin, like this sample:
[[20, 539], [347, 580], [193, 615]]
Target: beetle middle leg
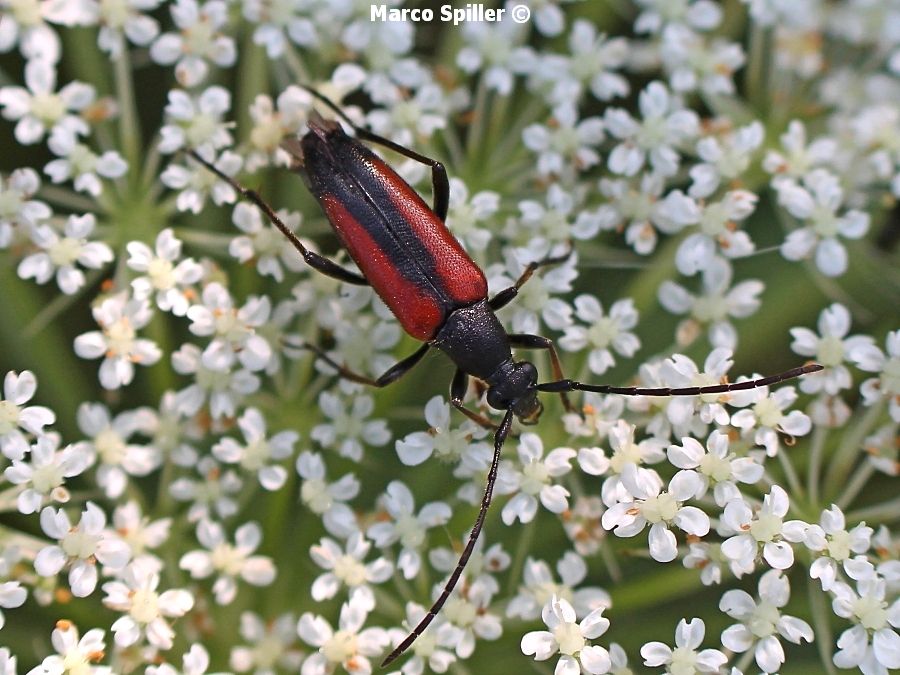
[[311, 258], [389, 376], [458, 388], [439, 181], [527, 341], [507, 295]]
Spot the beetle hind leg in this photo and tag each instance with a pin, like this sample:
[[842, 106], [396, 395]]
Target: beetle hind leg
[[389, 376]]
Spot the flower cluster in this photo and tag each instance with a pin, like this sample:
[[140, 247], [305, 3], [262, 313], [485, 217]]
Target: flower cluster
[[718, 188]]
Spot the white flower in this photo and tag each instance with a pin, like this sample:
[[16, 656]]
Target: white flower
[[228, 561], [59, 252], [566, 146], [277, 21], [763, 532], [225, 389], [17, 419], [350, 646], [767, 416], [349, 429], [665, 126], [121, 19], [569, 639], [684, 658], [761, 623], [138, 531], [81, 547], [433, 648], [327, 499], [700, 15], [632, 206], [603, 333], [233, 330], [25, 22], [645, 503], [830, 350], [74, 655], [264, 243], [725, 158], [886, 385], [199, 39], [258, 451], [717, 467], [817, 202], [346, 568], [193, 122], [145, 609], [534, 479], [196, 182], [109, 443], [836, 546], [271, 645], [492, 49], [39, 109], [467, 214], [538, 587], [405, 526], [18, 211], [42, 478], [77, 162], [12, 594], [169, 280], [194, 662], [119, 318], [694, 61], [798, 158], [271, 123], [212, 494], [873, 643], [714, 306], [680, 371]]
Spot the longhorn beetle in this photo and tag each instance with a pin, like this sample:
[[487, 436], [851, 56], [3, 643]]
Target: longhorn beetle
[[439, 295]]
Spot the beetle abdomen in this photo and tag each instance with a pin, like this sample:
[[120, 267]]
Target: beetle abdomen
[[403, 249]]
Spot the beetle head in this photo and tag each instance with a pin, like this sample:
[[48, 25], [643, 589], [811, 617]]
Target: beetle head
[[513, 388]]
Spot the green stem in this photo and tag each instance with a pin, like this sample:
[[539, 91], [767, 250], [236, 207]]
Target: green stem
[[526, 536], [820, 613], [849, 450], [129, 124], [886, 512], [856, 483], [793, 480], [816, 451]]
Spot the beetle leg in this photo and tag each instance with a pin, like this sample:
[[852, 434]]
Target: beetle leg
[[458, 392], [389, 376], [526, 341], [311, 258], [499, 439], [507, 295], [439, 181]]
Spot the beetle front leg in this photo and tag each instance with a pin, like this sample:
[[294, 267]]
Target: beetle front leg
[[311, 258], [527, 341], [389, 376], [458, 388], [507, 295]]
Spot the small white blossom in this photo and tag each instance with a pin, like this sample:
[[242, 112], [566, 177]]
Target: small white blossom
[[538, 587], [886, 385], [18, 211], [196, 182], [80, 547], [228, 561], [766, 416], [43, 476], [271, 645], [831, 350], [816, 203], [39, 109], [145, 609], [223, 390], [407, 527], [752, 534], [327, 499], [534, 478], [346, 568], [194, 122], [258, 451], [74, 654], [684, 658], [603, 333], [263, 243], [119, 318], [349, 428], [569, 639], [350, 646], [716, 466], [762, 622], [212, 494], [60, 251], [17, 419], [78, 163], [165, 277], [873, 643], [200, 39]]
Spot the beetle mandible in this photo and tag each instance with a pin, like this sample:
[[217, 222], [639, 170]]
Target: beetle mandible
[[405, 252]]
